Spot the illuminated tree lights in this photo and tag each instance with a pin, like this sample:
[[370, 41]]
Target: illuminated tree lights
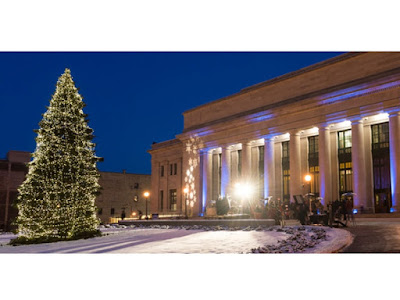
[[56, 200], [193, 146]]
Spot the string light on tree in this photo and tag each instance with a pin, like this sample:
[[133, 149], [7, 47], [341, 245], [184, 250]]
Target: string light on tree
[[56, 201]]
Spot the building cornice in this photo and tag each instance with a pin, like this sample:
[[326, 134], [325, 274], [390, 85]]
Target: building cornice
[[163, 145], [258, 112], [286, 76]]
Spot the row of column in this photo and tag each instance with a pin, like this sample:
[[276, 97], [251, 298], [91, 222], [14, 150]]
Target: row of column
[[360, 182]]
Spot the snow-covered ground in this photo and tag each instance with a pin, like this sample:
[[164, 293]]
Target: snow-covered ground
[[180, 240]]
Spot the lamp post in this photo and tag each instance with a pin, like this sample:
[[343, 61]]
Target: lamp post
[[186, 191], [146, 195], [307, 178]]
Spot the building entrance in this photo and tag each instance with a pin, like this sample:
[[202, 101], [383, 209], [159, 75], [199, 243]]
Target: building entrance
[[383, 203]]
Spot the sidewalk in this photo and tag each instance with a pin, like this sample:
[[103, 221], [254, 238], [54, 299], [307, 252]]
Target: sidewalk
[[378, 216]]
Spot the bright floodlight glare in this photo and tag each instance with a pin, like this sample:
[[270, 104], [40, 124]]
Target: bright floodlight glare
[[307, 178], [185, 190], [146, 194], [243, 189]]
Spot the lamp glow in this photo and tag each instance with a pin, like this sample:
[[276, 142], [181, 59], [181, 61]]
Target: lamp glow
[[243, 189]]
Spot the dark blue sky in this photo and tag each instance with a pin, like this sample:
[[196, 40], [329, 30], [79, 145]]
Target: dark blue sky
[[133, 98]]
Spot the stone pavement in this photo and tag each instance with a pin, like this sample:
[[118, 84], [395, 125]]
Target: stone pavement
[[203, 222], [375, 235]]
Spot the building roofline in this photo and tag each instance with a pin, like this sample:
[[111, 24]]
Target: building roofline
[[297, 98], [163, 144], [283, 77], [122, 173], [20, 151]]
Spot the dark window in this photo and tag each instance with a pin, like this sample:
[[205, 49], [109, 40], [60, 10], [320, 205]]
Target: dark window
[[173, 199], [313, 164], [380, 136], [112, 211], [3, 165], [344, 138], [161, 200], [239, 163], [175, 169], [162, 171], [136, 186], [170, 169], [381, 167], [19, 167], [345, 163], [285, 170], [100, 211]]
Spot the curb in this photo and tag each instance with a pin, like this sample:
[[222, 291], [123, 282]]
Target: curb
[[344, 246]]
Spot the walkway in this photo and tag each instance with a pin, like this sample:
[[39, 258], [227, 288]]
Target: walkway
[[375, 235]]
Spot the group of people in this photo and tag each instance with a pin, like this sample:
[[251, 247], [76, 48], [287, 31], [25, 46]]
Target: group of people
[[284, 210], [343, 209]]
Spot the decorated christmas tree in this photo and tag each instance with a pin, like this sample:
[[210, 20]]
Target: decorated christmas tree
[[56, 200]]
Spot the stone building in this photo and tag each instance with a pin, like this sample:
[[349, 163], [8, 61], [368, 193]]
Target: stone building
[[337, 120], [12, 173], [121, 192]]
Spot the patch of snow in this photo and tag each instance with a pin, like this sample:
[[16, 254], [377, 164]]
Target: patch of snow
[[192, 239]]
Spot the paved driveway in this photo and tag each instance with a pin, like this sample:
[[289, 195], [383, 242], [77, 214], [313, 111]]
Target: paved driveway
[[375, 236]]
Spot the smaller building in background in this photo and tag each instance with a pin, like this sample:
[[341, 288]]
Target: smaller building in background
[[12, 173], [122, 194]]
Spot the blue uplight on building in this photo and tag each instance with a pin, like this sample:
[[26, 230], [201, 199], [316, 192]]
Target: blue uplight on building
[[355, 211], [355, 92], [392, 209]]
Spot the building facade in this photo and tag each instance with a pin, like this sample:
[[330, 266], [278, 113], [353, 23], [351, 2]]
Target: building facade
[[120, 192], [337, 121], [13, 170]]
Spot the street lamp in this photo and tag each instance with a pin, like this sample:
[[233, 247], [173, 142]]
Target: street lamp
[[186, 191], [146, 195], [307, 178]]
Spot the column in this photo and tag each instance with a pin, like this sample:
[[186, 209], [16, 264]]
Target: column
[[324, 160], [206, 178], [394, 144], [358, 164], [246, 162], [225, 170], [269, 167], [295, 183]]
